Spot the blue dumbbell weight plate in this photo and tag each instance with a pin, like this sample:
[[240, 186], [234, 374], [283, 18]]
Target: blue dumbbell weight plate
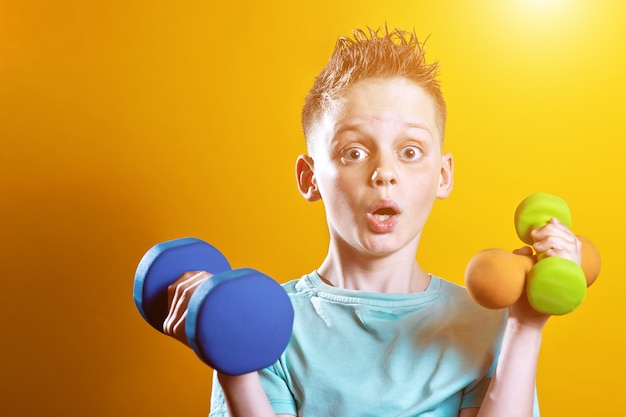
[[239, 321]]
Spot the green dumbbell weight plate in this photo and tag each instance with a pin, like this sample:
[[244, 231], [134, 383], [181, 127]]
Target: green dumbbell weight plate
[[536, 211], [556, 286]]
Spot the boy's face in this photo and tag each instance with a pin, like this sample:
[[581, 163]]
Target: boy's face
[[376, 162]]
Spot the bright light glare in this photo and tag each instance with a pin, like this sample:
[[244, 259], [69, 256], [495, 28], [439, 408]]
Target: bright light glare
[[542, 19], [554, 10], [542, 5]]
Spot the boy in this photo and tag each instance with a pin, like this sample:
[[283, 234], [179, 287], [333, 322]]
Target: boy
[[374, 334]]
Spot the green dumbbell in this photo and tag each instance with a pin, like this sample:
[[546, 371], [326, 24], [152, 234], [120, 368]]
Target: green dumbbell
[[554, 285]]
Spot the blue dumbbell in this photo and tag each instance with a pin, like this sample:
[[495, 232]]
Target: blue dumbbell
[[238, 321]]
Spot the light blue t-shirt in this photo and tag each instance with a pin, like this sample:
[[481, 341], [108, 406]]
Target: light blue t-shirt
[[361, 354]]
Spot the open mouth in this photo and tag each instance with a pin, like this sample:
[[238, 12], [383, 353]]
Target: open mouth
[[384, 213], [384, 216]]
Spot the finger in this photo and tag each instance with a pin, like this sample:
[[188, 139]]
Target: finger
[[554, 242], [180, 292], [178, 306], [524, 251], [553, 228], [556, 234], [568, 247], [183, 281], [177, 328], [173, 325]]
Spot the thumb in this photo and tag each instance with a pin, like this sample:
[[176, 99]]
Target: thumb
[[524, 251]]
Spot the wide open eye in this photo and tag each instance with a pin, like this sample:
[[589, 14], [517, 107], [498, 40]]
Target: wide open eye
[[353, 154], [410, 153]]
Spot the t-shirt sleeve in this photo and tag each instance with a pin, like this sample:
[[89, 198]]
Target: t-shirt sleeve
[[275, 388], [473, 395]]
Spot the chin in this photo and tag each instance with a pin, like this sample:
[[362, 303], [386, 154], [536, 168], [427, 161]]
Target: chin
[[382, 248]]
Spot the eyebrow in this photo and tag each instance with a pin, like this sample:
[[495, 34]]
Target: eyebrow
[[355, 125]]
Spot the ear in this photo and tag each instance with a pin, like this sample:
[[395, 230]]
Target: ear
[[446, 177], [305, 175]]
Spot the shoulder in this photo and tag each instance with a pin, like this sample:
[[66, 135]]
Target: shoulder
[[450, 290], [458, 302], [300, 285]]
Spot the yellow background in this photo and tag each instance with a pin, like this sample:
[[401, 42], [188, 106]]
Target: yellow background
[[126, 123]]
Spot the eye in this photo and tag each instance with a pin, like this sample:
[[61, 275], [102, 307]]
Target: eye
[[353, 154], [410, 153]]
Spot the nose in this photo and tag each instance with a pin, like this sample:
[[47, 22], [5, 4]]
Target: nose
[[383, 175]]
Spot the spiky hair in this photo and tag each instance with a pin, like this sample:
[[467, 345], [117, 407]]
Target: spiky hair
[[373, 53]]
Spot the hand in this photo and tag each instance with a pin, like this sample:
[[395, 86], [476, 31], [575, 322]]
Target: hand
[[555, 239], [178, 296]]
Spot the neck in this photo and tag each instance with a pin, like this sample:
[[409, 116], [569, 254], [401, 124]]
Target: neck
[[397, 273]]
